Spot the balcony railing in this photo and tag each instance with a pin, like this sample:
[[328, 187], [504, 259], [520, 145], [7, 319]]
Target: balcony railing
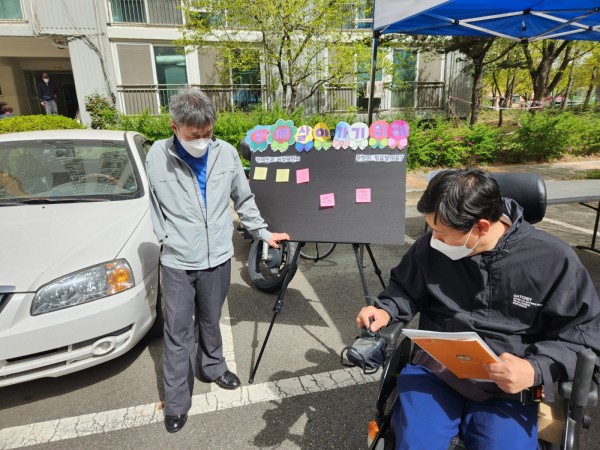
[[152, 12], [417, 95], [423, 96], [151, 98]]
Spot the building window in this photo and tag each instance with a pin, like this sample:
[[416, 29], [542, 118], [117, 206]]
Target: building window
[[363, 78], [171, 73], [10, 10], [246, 86], [155, 12], [164, 12], [129, 11], [405, 74], [358, 15]]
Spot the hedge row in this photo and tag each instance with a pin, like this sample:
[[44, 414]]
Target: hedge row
[[543, 136]]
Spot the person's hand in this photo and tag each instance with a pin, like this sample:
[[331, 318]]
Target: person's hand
[[513, 374], [276, 237], [42, 103], [379, 316]]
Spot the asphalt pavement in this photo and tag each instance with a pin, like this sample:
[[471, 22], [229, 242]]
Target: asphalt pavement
[[301, 397]]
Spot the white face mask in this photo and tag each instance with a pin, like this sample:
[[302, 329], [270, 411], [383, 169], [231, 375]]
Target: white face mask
[[46, 79], [197, 148], [454, 252]]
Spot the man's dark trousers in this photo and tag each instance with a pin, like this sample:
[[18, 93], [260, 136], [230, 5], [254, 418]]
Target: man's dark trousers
[[188, 294]]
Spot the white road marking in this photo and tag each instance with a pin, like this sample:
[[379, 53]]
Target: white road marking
[[227, 337], [567, 225], [136, 416]]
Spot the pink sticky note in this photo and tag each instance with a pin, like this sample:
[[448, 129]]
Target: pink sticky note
[[327, 200], [302, 176], [363, 195]]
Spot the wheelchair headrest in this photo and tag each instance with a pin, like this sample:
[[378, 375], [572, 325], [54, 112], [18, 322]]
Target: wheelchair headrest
[[527, 189]]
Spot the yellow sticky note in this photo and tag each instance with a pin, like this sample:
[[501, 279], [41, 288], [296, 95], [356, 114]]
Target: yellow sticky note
[[260, 173], [282, 176]]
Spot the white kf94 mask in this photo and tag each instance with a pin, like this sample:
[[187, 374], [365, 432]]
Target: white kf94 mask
[[197, 148], [454, 252]]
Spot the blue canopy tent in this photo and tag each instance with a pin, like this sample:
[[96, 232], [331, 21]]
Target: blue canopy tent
[[517, 20]]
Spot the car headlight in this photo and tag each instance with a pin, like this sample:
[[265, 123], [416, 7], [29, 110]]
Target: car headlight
[[84, 286]]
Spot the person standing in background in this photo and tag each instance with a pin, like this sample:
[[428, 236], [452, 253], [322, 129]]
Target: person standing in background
[[6, 111], [47, 94]]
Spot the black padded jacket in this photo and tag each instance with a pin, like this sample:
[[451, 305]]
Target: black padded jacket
[[530, 296]]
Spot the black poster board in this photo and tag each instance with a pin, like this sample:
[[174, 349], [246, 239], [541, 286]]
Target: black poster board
[[296, 208]]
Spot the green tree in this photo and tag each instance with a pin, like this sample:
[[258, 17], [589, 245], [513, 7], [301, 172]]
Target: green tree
[[481, 53], [304, 44], [508, 76]]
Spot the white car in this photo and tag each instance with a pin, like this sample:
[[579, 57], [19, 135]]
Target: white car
[[79, 262]]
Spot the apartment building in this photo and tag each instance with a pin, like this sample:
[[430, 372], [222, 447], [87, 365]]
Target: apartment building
[[123, 49]]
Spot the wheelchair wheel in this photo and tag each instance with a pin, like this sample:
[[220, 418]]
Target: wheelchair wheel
[[268, 275], [316, 251]]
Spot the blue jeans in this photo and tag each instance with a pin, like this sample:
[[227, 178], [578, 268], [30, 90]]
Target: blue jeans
[[430, 413], [50, 107]]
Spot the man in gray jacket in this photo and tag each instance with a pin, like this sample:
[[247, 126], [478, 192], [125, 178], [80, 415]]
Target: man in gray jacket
[[193, 177]]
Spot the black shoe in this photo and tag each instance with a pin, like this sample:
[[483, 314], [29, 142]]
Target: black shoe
[[175, 423], [228, 380]]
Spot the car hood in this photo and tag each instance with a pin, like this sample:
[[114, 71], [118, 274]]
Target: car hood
[[39, 243]]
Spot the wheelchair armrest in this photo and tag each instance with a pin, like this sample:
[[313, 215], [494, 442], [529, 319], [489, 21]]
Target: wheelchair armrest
[[583, 390], [391, 333], [565, 388]]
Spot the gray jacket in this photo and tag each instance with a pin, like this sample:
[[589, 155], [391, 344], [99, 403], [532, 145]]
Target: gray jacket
[[195, 236]]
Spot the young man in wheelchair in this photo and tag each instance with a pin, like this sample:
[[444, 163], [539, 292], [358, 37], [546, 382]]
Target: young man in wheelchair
[[483, 268]]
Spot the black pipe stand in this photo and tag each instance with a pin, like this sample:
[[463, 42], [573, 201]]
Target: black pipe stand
[[361, 271], [593, 246], [277, 306]]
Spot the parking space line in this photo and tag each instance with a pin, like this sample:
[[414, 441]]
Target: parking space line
[[136, 416], [227, 337], [568, 225]]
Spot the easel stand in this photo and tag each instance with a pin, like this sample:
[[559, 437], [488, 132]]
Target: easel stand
[[288, 276], [277, 306], [593, 246], [361, 271]]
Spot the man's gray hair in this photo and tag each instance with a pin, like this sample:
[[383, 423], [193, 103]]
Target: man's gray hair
[[192, 107]]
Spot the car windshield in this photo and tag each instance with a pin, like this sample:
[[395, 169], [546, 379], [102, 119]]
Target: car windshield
[[40, 171]]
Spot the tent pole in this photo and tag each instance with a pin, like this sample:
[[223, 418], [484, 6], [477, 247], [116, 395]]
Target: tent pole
[[376, 35]]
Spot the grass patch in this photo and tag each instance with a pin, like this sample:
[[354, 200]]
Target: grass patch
[[592, 175]]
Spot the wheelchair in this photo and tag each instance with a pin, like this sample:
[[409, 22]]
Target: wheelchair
[[559, 423]]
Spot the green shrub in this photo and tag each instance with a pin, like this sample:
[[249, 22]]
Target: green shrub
[[583, 132], [543, 136], [439, 143], [433, 142], [38, 122], [102, 111], [154, 127]]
